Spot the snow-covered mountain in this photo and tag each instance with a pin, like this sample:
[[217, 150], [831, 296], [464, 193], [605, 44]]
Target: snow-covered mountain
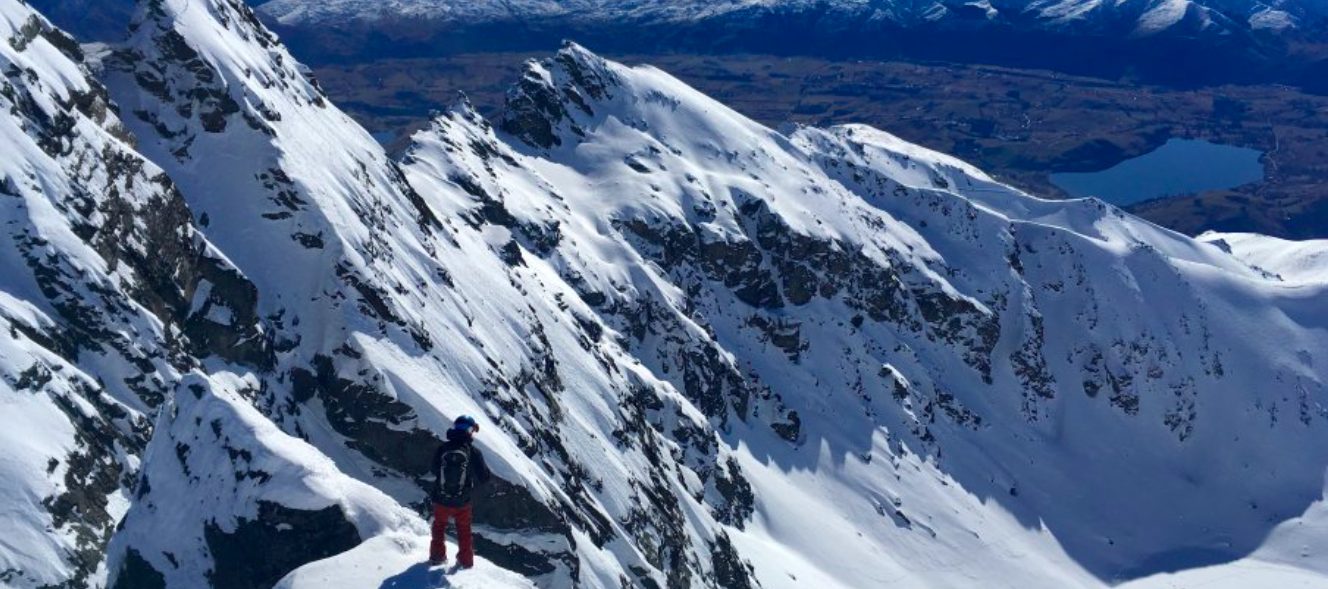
[[109, 294], [705, 353], [93, 20], [1140, 17], [1204, 42], [1293, 261], [102, 19]]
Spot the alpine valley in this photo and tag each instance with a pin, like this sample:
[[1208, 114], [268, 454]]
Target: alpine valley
[[704, 352], [1173, 42]]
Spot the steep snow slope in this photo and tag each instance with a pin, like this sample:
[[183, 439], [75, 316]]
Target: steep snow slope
[[1285, 559], [107, 294], [927, 337], [116, 310], [705, 353], [1293, 261], [389, 317]]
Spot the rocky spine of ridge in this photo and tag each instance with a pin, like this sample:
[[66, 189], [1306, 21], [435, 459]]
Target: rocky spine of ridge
[[838, 278], [389, 274], [111, 294], [690, 338], [766, 265]]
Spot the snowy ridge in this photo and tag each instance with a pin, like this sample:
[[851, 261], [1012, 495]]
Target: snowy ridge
[[107, 295], [691, 340], [394, 561], [373, 307], [1293, 261], [275, 486], [617, 139]]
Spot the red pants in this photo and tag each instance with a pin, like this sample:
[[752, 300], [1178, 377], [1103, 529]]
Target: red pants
[[438, 547]]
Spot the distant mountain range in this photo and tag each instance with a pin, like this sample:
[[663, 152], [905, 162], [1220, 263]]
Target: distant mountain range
[[1135, 17], [1203, 41]]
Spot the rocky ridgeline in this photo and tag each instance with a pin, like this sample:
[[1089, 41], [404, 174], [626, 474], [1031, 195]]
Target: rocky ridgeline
[[663, 313], [112, 294]]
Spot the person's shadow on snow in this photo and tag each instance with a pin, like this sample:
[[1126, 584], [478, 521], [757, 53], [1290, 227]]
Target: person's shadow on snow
[[418, 576]]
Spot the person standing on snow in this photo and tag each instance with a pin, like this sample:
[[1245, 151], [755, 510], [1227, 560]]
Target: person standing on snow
[[458, 467]]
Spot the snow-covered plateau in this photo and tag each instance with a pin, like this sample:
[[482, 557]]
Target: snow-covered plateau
[[704, 353]]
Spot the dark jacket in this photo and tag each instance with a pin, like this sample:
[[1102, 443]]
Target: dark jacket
[[479, 472]]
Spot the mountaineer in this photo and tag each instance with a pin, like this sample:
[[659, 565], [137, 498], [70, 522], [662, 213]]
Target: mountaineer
[[458, 467]]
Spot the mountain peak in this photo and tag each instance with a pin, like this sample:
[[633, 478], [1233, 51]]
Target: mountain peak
[[220, 48], [205, 76], [592, 73], [554, 93]]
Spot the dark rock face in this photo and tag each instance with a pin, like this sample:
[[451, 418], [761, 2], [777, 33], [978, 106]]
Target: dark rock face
[[649, 422], [731, 572], [239, 339], [94, 473], [533, 110], [386, 432], [537, 107], [658, 528], [373, 423], [514, 557], [776, 266], [739, 502], [1031, 367], [507, 508], [164, 65], [203, 92], [263, 550], [136, 225]]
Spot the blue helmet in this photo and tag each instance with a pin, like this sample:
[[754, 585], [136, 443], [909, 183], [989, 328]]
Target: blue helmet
[[465, 423]]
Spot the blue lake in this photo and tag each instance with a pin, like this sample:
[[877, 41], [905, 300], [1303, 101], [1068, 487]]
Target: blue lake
[[1181, 166]]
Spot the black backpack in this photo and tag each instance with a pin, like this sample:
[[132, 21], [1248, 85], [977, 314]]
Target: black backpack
[[454, 473]]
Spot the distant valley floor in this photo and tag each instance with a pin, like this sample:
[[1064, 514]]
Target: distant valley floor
[[1018, 124]]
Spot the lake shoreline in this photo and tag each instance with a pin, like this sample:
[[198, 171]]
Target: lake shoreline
[[1179, 167]]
